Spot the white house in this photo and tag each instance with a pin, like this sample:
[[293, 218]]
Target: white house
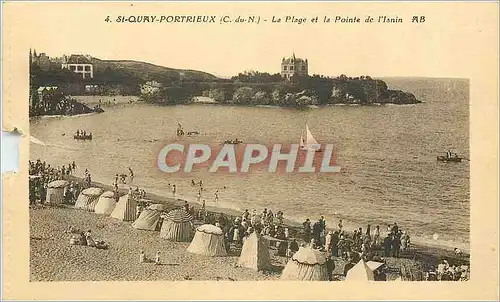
[[79, 64]]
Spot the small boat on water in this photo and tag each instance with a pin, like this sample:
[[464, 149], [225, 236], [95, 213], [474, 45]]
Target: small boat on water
[[83, 137], [310, 142], [449, 159], [233, 142]]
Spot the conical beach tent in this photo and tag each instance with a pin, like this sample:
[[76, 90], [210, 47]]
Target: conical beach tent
[[125, 209], [177, 226], [106, 203], [209, 241], [88, 198], [306, 264], [255, 253], [149, 218], [360, 272], [55, 191]]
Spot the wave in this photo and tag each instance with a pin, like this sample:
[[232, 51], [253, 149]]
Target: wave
[[60, 116]]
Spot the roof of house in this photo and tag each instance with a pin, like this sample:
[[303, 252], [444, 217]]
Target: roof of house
[[78, 59], [293, 59]]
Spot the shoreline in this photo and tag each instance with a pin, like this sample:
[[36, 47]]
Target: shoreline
[[428, 253]]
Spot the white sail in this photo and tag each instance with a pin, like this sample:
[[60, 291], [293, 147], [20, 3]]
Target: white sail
[[302, 144], [310, 138]]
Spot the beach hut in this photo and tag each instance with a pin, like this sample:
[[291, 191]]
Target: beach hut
[[177, 226], [306, 264], [125, 209], [360, 272], [255, 253], [55, 191], [88, 198], [106, 203], [149, 218], [208, 240]]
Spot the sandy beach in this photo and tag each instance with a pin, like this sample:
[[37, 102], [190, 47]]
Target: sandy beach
[[52, 258], [121, 261]]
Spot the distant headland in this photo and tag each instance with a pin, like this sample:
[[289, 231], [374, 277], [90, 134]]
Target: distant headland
[[291, 87]]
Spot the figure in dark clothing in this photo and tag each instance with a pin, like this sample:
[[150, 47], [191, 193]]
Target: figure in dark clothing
[[387, 246], [396, 246], [307, 230], [330, 267]]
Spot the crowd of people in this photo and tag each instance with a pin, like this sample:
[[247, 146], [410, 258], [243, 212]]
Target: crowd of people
[[447, 272], [41, 174], [339, 243]]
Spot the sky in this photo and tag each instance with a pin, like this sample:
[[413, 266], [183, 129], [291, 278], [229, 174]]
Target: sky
[[378, 50]]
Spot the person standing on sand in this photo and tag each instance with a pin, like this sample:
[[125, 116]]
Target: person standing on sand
[[376, 236], [174, 189], [307, 230], [157, 258], [142, 257], [186, 206], [216, 199], [340, 225]]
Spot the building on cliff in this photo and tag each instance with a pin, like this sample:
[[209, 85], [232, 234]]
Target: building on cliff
[[294, 66], [79, 64], [41, 59]]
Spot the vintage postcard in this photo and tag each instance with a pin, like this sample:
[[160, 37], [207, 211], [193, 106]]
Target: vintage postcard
[[243, 150]]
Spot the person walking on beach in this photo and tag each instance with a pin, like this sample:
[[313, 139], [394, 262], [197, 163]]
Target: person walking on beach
[[216, 199], [131, 174], [340, 225], [198, 196], [174, 189]]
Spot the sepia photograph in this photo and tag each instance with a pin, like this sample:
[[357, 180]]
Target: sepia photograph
[[397, 208], [330, 142]]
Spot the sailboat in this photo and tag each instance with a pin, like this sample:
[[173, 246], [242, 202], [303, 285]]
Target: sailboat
[[310, 142]]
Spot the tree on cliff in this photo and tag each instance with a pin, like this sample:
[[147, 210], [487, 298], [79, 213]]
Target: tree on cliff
[[243, 95]]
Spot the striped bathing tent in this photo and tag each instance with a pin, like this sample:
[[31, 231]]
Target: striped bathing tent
[[177, 226], [306, 264], [88, 198], [125, 209], [149, 218], [106, 203], [208, 240], [55, 191]]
